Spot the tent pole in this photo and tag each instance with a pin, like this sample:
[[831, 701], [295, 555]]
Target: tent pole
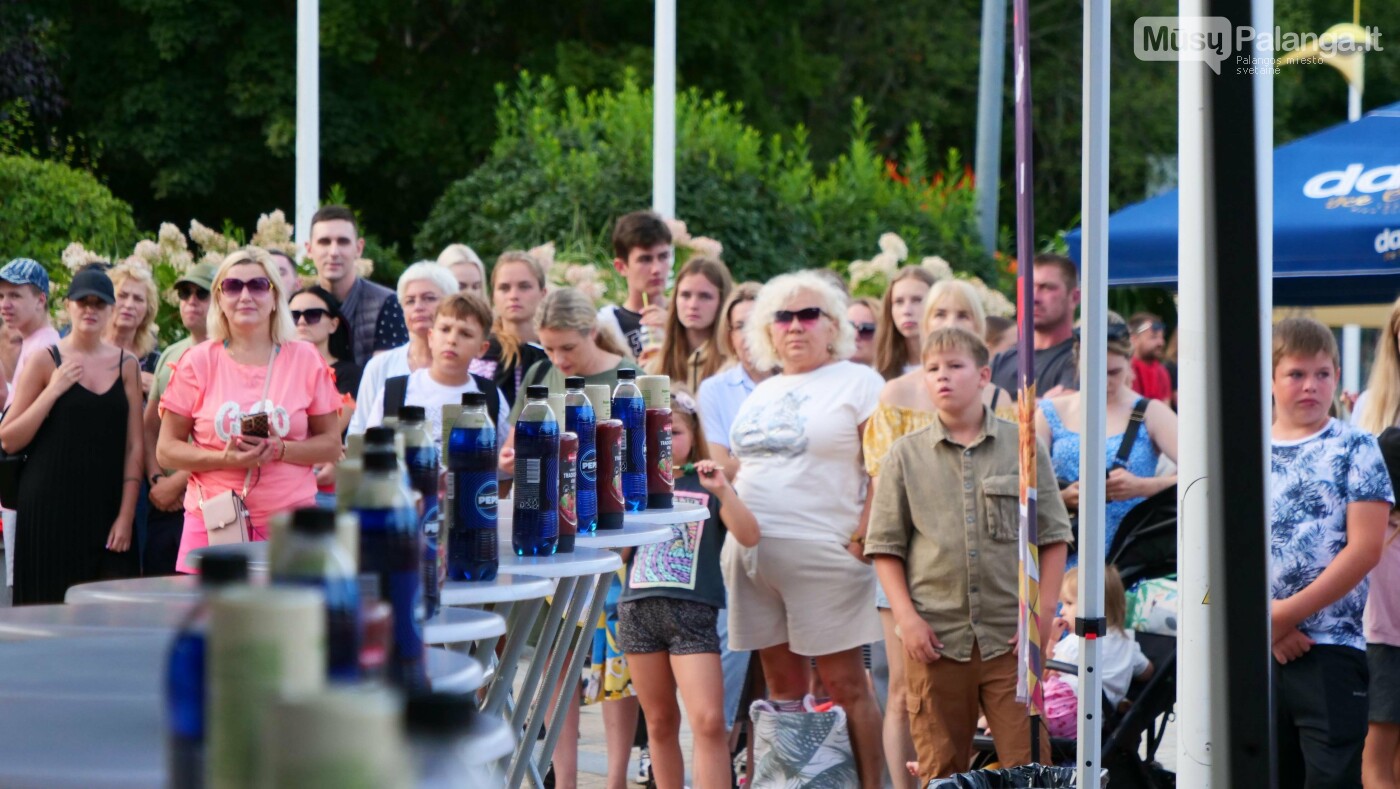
[[1193, 751], [663, 94], [1093, 384], [1239, 268]]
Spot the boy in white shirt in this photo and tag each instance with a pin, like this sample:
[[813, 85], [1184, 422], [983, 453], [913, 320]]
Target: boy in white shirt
[[459, 335]]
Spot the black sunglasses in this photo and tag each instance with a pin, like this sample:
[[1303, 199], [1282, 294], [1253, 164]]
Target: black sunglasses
[[865, 330], [313, 316], [257, 286], [805, 316], [1150, 326], [187, 291]]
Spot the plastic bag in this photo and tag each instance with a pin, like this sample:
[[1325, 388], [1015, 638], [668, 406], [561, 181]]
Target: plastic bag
[[810, 749], [1028, 776]]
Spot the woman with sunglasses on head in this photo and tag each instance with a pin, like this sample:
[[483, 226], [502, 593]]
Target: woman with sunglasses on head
[[77, 413], [252, 410], [899, 337], [1130, 480], [422, 287], [805, 590], [864, 315], [689, 353]]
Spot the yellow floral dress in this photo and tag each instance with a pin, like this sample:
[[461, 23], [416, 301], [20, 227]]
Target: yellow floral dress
[[888, 423]]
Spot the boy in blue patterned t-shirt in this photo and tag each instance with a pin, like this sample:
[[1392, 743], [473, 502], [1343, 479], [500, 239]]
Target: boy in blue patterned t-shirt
[[1331, 498]]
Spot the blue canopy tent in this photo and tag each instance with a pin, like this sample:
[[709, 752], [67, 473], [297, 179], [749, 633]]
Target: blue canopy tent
[[1336, 220]]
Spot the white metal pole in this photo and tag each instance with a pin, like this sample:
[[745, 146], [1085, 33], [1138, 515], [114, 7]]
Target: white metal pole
[[990, 78], [1351, 358], [1093, 386], [308, 183], [663, 140], [1354, 100], [1194, 204]]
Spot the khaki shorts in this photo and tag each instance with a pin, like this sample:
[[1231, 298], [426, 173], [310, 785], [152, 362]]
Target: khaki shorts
[[813, 596]]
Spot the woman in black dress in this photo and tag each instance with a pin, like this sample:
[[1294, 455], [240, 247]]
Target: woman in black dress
[[77, 412]]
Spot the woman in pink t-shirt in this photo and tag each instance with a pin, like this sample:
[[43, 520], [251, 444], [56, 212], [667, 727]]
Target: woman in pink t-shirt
[[251, 351]]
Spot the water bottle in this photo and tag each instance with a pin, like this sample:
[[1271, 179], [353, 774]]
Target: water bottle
[[661, 483], [611, 504], [421, 457], [628, 406], [471, 493], [185, 674], [535, 531], [391, 547], [579, 419], [314, 557]]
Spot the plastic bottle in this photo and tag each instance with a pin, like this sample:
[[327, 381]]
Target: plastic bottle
[[473, 554], [661, 482], [185, 674], [609, 437], [568, 491], [341, 737], [377, 639], [453, 745], [580, 419], [314, 557], [535, 530], [627, 405], [421, 457], [391, 547]]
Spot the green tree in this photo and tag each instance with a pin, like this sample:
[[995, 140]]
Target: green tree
[[47, 205]]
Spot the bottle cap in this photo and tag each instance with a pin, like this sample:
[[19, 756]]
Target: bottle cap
[[574, 382], [222, 569], [627, 374], [412, 413], [314, 520], [440, 713], [537, 392], [381, 460], [379, 435], [473, 399]]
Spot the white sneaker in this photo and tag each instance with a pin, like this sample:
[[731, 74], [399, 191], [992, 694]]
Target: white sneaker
[[643, 773]]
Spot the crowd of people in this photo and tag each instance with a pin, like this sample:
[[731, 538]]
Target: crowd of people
[[856, 456]]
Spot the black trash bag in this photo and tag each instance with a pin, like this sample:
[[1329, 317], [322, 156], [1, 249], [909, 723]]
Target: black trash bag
[[1030, 776]]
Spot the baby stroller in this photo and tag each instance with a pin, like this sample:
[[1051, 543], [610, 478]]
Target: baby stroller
[[1143, 548]]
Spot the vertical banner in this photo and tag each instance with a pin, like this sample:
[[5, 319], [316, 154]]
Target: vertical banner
[[1028, 628]]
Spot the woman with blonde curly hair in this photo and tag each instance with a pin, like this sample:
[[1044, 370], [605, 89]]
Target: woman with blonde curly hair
[[898, 337], [689, 353], [132, 327]]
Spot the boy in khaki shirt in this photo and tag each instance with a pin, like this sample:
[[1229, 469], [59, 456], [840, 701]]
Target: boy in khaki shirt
[[943, 534]]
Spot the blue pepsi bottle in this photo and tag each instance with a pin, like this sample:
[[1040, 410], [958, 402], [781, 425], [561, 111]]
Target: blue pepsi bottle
[[420, 454], [185, 670], [628, 406], [472, 553], [391, 547], [580, 420], [535, 531]]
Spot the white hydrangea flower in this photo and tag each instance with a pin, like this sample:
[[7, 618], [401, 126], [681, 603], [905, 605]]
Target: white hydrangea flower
[[709, 247], [938, 267], [273, 232], [171, 238], [861, 270], [148, 250], [364, 267], [996, 303], [75, 256], [892, 244], [544, 255], [679, 235], [181, 261], [885, 263]]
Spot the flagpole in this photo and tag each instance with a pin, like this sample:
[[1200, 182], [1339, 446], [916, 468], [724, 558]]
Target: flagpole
[[663, 92], [1093, 385], [308, 140], [1029, 646]]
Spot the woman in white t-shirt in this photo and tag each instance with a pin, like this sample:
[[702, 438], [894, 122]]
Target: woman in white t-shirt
[[806, 591]]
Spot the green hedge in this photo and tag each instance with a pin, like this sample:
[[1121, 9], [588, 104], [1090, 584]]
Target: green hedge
[[565, 165], [47, 205]]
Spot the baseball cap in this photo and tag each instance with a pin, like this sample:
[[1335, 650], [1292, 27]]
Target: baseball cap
[[91, 282], [201, 275], [24, 271]]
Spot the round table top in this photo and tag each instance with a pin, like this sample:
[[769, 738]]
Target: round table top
[[130, 666], [582, 561], [65, 743], [157, 589], [504, 588], [460, 625], [631, 535], [448, 626], [686, 513], [255, 551]]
